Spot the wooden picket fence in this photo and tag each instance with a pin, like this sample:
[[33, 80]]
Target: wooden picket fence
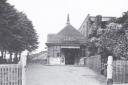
[[11, 74], [120, 68], [120, 71], [94, 62]]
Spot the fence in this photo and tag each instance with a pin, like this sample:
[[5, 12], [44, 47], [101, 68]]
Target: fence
[[120, 71], [94, 62], [11, 74], [120, 68]]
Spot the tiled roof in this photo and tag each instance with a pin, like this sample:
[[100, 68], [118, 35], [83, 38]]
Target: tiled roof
[[67, 35]]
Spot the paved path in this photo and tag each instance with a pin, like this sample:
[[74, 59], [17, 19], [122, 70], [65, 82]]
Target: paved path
[[62, 75]]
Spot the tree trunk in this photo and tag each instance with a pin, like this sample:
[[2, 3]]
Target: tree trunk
[[1, 57], [16, 58], [19, 56], [10, 60], [2, 54], [16, 55]]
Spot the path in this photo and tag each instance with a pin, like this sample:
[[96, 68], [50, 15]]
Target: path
[[62, 75]]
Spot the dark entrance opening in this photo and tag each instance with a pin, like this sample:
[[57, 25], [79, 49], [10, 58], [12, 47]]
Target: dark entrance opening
[[71, 55]]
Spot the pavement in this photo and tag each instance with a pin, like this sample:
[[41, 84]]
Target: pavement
[[62, 75]]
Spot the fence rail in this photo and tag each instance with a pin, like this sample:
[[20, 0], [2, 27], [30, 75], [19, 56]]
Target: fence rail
[[94, 62], [120, 68], [11, 74], [120, 71]]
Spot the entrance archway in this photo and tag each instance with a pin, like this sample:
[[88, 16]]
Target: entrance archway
[[71, 55]]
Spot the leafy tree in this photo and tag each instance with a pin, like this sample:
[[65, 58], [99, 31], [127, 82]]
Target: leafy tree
[[114, 40], [8, 16], [123, 20], [16, 31]]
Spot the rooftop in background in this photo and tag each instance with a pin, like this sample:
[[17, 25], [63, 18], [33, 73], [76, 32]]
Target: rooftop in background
[[104, 18], [85, 27]]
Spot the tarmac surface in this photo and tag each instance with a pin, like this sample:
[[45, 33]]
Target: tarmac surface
[[37, 74]]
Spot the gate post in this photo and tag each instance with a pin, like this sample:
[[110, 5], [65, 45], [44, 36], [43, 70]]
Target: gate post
[[23, 76], [109, 70], [23, 67]]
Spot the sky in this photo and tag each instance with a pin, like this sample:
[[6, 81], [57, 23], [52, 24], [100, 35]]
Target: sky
[[49, 16]]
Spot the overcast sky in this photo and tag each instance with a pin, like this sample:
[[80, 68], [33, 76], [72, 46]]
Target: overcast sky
[[49, 16]]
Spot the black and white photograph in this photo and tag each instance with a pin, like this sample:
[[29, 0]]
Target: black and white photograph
[[63, 42]]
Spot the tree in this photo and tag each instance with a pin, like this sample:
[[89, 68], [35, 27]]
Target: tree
[[112, 40], [115, 41], [123, 20], [8, 16], [16, 31], [25, 37], [29, 34]]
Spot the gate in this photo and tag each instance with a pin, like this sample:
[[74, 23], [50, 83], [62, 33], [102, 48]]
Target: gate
[[11, 74]]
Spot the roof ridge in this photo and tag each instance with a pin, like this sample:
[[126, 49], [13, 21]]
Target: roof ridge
[[67, 35]]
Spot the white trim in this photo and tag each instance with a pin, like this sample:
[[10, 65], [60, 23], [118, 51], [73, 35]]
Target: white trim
[[78, 47]]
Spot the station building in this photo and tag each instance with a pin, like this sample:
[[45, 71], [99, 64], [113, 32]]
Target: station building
[[67, 46]]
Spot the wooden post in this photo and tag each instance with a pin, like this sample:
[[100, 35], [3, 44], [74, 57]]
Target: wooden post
[[23, 68], [109, 70], [23, 76]]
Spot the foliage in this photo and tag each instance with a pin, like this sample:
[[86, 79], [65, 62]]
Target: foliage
[[16, 31], [111, 38], [123, 20], [115, 41]]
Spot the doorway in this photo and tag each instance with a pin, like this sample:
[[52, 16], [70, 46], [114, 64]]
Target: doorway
[[71, 55]]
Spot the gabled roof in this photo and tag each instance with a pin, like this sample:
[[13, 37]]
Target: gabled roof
[[67, 35]]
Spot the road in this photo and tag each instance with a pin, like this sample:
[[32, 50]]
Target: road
[[62, 75]]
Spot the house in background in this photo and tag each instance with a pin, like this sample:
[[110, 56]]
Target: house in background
[[66, 47], [40, 57], [91, 22]]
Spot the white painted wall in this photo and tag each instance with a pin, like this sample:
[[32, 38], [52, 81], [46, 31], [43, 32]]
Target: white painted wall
[[56, 61]]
